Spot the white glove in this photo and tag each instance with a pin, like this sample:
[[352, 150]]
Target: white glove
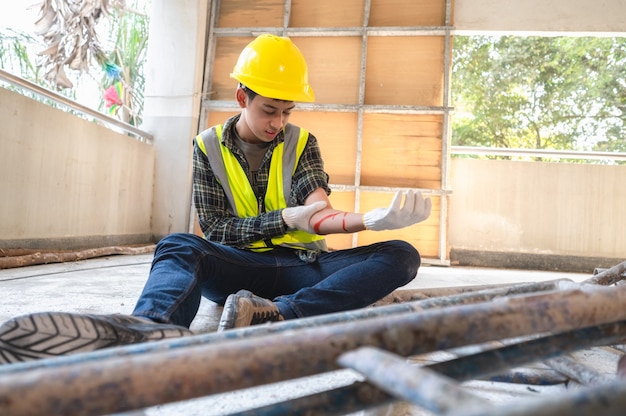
[[416, 209], [298, 218]]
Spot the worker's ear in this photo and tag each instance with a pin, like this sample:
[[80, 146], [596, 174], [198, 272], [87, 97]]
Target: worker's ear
[[241, 97]]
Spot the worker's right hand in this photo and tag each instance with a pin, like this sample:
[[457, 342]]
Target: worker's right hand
[[299, 218], [416, 209]]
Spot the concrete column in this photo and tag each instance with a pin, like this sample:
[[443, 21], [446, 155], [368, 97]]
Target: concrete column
[[174, 69]]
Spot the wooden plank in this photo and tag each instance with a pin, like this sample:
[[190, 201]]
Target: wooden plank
[[337, 137], [402, 150], [334, 66], [326, 13], [245, 13], [404, 71], [219, 117], [226, 54], [408, 13]]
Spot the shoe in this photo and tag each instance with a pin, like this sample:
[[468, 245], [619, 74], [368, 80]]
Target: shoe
[[51, 334], [244, 309]]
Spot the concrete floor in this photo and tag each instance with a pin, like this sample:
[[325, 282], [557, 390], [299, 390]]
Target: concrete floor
[[112, 284]]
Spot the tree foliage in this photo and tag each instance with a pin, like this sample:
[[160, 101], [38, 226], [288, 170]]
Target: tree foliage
[[71, 48], [564, 93], [129, 45], [16, 58]]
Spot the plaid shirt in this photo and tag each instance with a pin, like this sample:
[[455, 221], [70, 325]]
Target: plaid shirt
[[219, 222]]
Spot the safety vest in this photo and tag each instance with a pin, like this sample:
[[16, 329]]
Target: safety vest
[[238, 189]]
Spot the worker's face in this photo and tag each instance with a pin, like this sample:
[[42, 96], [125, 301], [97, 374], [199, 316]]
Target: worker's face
[[262, 118]]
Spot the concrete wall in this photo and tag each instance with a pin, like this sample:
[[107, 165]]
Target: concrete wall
[[537, 215], [69, 183], [536, 16], [175, 67], [66, 182]]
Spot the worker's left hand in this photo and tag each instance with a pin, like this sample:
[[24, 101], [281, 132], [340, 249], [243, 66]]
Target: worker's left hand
[[416, 209]]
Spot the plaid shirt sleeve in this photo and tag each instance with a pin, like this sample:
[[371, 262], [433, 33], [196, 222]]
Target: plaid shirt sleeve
[[309, 174], [221, 225]]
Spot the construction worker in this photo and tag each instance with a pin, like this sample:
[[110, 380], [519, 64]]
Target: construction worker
[[261, 195]]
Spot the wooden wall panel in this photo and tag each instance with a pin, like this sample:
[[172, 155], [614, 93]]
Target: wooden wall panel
[[226, 55], [337, 137], [326, 13], [218, 117], [407, 13], [404, 71], [334, 65], [401, 150], [246, 13], [399, 144], [335, 132]]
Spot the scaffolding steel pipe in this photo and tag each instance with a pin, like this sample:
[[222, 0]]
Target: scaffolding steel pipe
[[575, 370], [465, 297], [138, 381], [481, 365], [420, 386], [609, 276], [607, 399], [423, 387]]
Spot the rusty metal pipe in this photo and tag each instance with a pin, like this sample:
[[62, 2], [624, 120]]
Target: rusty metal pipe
[[458, 299], [577, 371], [423, 387], [606, 399], [420, 386], [492, 362], [533, 377], [409, 295], [609, 276], [138, 381], [362, 396]]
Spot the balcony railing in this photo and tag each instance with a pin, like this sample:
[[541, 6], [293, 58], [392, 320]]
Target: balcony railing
[[548, 153], [66, 102]]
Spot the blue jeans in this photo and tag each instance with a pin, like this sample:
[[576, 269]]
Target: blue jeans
[[186, 267]]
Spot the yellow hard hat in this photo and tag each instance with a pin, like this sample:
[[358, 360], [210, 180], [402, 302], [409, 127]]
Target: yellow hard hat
[[272, 66]]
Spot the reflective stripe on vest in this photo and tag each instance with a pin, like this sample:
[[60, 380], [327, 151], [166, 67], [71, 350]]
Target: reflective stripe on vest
[[238, 190]]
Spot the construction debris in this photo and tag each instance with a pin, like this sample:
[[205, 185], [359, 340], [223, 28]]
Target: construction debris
[[12, 258]]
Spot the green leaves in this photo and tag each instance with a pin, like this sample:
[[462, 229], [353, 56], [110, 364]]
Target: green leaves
[[539, 92]]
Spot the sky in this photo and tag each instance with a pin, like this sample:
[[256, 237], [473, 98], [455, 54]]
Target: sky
[[19, 16]]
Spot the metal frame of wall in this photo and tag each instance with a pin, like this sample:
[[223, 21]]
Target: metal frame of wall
[[361, 109]]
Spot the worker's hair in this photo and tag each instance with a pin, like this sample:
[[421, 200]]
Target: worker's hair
[[251, 94]]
